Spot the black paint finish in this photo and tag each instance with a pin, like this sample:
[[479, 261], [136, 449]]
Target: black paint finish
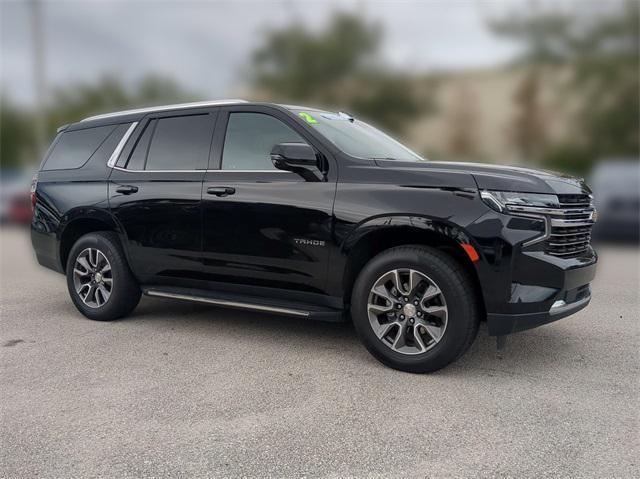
[[274, 233]]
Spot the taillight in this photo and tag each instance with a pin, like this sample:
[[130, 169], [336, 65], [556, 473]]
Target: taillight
[[32, 194]]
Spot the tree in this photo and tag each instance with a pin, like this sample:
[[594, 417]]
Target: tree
[[602, 49], [71, 103], [463, 123], [17, 141], [298, 64], [336, 67], [108, 94], [528, 128]]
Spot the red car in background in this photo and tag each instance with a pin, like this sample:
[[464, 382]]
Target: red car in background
[[15, 203]]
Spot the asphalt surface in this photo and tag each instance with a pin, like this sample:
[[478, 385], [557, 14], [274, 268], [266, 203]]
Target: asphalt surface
[[181, 390]]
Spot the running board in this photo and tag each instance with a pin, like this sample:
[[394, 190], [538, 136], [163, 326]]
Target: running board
[[264, 305]]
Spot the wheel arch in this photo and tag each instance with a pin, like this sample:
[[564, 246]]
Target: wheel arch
[[378, 234], [80, 223]]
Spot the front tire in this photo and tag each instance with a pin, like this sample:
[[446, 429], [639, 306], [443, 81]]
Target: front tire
[[99, 280], [415, 309]]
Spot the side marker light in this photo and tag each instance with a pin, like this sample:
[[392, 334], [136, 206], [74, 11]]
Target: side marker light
[[471, 252]]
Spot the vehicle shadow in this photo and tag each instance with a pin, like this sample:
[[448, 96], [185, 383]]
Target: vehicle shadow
[[528, 352]]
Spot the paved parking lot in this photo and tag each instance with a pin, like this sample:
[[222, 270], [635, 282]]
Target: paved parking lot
[[187, 390]]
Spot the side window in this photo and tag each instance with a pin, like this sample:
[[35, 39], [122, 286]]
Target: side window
[[74, 148], [179, 143], [138, 156], [250, 138]]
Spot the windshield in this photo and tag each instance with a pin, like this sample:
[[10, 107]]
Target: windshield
[[355, 137]]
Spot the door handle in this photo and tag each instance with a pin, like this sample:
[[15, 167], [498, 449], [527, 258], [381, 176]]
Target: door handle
[[220, 190], [127, 189]]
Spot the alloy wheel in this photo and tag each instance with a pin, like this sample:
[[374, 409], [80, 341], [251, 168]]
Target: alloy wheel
[[92, 277], [407, 311]]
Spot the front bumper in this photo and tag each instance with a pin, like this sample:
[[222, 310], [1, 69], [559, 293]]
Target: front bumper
[[502, 324], [574, 296]]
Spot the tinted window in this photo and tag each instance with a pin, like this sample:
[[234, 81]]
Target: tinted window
[[250, 138], [139, 154], [74, 148], [180, 143]]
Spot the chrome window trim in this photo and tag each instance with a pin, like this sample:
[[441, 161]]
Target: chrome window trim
[[200, 171], [251, 171], [154, 109], [118, 149], [158, 171]]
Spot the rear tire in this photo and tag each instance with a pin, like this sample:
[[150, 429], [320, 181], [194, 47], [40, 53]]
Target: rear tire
[[99, 280], [427, 322]]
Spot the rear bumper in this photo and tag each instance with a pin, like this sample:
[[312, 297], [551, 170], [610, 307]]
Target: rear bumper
[[502, 324], [46, 248]]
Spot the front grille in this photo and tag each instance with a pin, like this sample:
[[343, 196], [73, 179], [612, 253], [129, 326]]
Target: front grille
[[570, 233], [569, 240], [574, 201]]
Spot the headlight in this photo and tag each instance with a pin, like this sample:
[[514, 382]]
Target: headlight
[[512, 202]]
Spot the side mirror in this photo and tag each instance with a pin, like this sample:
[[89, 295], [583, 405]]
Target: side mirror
[[299, 158]]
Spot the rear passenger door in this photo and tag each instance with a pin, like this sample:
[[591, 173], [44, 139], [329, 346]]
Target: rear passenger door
[[155, 194], [273, 228]]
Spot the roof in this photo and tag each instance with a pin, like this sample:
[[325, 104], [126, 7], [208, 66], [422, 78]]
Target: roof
[[299, 107], [178, 106]]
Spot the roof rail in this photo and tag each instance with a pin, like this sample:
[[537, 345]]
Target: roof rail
[[178, 106]]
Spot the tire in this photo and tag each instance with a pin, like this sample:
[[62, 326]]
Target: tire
[[97, 262], [447, 304]]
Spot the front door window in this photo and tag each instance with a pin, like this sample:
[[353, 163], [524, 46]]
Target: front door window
[[250, 138]]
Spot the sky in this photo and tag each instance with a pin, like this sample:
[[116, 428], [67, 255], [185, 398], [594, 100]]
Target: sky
[[205, 46]]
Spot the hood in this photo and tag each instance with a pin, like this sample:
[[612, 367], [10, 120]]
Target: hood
[[502, 178]]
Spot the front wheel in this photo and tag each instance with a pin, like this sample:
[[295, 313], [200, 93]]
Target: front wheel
[[100, 283], [415, 308]]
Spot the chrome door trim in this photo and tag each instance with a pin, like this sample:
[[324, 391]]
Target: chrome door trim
[[116, 152]]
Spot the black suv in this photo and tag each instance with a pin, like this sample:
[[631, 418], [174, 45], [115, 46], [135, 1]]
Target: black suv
[[311, 214]]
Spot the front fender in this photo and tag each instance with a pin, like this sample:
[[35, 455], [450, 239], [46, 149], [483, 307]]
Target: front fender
[[370, 235], [423, 223]]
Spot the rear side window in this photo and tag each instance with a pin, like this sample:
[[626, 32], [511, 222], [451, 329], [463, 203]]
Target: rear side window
[[179, 143], [250, 138], [74, 148], [138, 157]]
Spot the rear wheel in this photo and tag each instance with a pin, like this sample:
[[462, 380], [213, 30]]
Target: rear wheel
[[99, 280], [415, 308]]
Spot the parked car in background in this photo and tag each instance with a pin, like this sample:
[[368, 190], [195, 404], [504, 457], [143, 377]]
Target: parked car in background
[[15, 206], [312, 214], [616, 184]]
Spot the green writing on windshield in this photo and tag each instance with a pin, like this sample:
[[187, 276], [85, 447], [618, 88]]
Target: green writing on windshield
[[306, 117]]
